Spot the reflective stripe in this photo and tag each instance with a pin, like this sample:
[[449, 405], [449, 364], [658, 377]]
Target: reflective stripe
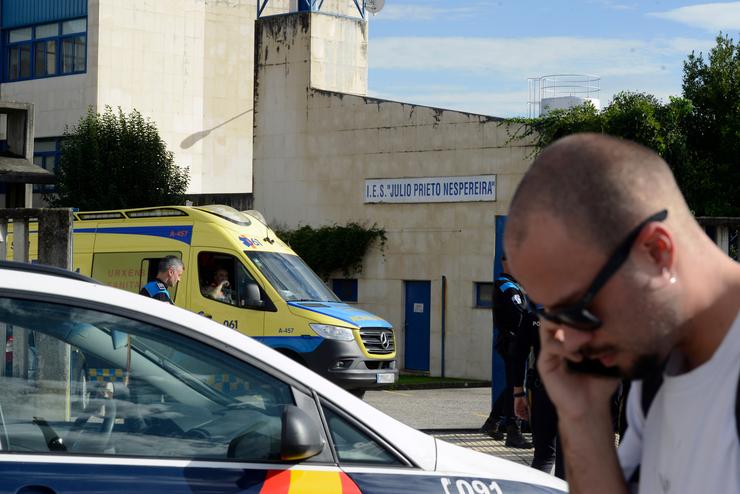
[[105, 375], [153, 289], [508, 285], [181, 233], [300, 344]]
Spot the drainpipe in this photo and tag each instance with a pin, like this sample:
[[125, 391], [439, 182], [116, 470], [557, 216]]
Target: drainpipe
[[444, 317]]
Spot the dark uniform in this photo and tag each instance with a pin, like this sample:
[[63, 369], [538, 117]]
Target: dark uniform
[[543, 416], [510, 313], [158, 290]]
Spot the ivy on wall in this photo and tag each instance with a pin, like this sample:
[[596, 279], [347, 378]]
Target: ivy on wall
[[333, 248]]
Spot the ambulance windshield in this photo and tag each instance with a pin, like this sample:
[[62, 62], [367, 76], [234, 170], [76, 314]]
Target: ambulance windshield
[[291, 277]]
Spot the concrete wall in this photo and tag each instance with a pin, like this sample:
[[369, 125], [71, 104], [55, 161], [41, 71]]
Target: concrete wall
[[314, 149], [61, 101], [188, 65]]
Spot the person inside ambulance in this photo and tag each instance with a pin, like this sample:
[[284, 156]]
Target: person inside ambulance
[[219, 288]]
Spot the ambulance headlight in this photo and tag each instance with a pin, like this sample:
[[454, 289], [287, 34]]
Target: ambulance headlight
[[333, 332]]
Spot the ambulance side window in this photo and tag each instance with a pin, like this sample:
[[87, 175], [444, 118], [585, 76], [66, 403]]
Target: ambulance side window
[[129, 271], [223, 278]]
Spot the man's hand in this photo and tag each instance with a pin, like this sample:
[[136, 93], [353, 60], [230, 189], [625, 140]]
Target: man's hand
[[521, 407], [584, 420], [574, 395]]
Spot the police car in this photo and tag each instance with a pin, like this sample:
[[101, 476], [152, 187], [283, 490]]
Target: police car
[[177, 403]]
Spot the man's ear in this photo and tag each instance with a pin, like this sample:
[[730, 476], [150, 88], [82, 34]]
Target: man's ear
[[657, 243]]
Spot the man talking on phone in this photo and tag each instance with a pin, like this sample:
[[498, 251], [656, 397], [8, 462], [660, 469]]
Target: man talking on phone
[[629, 285]]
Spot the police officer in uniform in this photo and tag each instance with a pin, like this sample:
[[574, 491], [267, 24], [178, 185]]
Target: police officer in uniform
[[170, 270], [543, 417], [511, 313]]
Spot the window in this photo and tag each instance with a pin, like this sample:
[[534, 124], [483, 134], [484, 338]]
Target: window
[[223, 278], [46, 50], [137, 390], [345, 289], [354, 445], [484, 294], [46, 153], [291, 277]]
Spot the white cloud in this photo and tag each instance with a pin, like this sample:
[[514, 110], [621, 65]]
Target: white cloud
[[520, 58], [610, 4], [710, 16], [416, 12], [489, 75]]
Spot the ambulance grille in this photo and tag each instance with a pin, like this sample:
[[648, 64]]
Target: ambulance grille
[[378, 341]]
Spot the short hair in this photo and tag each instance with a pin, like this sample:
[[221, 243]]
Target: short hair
[[599, 186], [168, 262]]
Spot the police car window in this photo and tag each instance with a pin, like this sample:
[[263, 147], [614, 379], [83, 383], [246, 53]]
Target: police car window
[[353, 445], [136, 390]]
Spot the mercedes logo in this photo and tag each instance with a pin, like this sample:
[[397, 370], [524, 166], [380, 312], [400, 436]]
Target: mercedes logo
[[385, 340]]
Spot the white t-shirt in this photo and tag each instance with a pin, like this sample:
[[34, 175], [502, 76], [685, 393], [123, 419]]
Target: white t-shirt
[[689, 441]]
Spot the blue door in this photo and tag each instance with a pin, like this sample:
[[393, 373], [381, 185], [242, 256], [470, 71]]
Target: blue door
[[498, 369], [418, 297]]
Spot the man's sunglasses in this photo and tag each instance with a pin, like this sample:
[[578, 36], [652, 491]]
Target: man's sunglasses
[[577, 315]]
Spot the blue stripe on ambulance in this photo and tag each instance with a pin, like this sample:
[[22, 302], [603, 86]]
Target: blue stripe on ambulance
[[300, 344], [376, 483], [343, 312], [182, 233]]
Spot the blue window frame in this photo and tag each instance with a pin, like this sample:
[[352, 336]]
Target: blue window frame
[[345, 289], [46, 153], [484, 294], [45, 50]]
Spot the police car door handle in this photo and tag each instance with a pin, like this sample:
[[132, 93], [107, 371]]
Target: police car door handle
[[202, 313]]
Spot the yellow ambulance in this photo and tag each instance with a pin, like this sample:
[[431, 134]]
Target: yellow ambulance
[[239, 273]]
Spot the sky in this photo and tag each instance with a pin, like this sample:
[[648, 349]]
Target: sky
[[477, 55]]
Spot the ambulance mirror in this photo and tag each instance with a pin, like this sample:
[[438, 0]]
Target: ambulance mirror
[[253, 296]]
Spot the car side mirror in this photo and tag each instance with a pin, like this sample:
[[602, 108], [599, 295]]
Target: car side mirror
[[300, 437], [253, 296]]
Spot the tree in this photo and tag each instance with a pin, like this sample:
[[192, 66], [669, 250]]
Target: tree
[[714, 134], [113, 161], [697, 134]]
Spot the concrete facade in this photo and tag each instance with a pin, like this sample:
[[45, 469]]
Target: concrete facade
[[317, 138], [186, 64]]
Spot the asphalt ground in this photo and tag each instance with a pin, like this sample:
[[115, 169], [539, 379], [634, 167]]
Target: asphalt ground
[[452, 414]]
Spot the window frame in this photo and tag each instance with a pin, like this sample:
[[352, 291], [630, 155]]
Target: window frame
[[322, 401], [8, 46], [479, 303], [304, 397], [268, 306], [56, 155], [152, 319]]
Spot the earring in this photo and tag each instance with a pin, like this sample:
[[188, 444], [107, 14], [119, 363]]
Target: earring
[[671, 276]]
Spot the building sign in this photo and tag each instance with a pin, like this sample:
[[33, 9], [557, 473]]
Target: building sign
[[431, 189]]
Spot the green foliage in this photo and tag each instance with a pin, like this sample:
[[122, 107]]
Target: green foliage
[[697, 134], [113, 161], [333, 248], [713, 137]]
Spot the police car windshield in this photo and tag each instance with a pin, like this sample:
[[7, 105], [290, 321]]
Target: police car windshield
[[291, 277]]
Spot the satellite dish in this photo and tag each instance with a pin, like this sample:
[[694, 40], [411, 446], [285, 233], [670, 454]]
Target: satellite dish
[[374, 6]]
